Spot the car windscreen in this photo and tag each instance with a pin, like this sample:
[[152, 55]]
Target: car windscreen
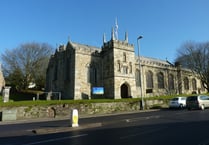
[[192, 98], [174, 99], [184, 98], [204, 98]]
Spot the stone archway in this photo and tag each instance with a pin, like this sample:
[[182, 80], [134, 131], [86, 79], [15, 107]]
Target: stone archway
[[124, 91]]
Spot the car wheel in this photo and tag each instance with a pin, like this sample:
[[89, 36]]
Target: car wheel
[[202, 107], [181, 106]]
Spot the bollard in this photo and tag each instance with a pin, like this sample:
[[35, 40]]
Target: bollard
[[74, 118]]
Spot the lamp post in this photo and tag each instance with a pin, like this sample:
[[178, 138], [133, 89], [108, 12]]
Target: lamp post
[[141, 76]]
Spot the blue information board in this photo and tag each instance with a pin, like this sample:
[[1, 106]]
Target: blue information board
[[98, 90]]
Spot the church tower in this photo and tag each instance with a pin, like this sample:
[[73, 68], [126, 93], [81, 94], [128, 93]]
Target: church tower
[[118, 67]]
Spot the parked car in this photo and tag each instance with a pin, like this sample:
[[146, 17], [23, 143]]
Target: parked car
[[178, 102], [197, 102]]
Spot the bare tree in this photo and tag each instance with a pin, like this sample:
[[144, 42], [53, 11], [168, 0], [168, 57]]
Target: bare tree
[[195, 57], [26, 64]]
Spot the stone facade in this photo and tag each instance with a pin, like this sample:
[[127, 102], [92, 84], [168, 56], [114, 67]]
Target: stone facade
[[75, 69]]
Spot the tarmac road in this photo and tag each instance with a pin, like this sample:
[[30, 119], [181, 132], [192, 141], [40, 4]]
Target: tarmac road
[[169, 127]]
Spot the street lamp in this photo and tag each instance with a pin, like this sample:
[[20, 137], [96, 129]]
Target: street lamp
[[141, 76]]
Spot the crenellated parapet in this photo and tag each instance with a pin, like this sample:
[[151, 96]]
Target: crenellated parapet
[[118, 44], [79, 48], [86, 49]]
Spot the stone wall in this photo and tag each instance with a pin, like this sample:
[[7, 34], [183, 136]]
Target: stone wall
[[64, 110]]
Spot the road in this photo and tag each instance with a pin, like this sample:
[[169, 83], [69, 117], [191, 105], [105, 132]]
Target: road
[[164, 127]]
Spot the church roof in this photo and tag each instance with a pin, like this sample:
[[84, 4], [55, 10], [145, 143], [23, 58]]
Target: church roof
[[155, 61]]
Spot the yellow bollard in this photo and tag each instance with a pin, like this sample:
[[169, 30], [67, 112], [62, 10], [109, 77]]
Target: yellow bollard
[[74, 118]]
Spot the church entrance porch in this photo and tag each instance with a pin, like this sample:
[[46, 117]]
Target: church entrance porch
[[125, 91]]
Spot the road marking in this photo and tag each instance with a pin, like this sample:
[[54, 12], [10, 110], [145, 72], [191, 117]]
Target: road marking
[[141, 133], [185, 112], [142, 118], [56, 139]]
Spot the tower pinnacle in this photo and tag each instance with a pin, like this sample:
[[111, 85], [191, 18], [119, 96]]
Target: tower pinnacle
[[116, 29], [113, 34], [126, 37], [104, 38]]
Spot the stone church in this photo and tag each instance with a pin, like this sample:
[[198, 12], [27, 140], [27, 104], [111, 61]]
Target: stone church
[[75, 70]]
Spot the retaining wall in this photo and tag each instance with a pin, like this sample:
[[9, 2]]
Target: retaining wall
[[63, 110]]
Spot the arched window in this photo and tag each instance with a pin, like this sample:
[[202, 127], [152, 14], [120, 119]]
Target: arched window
[[138, 82], [149, 79], [186, 83], [171, 82], [194, 84], [160, 80], [118, 65], [125, 69], [67, 69], [124, 57], [55, 72], [130, 67], [91, 74], [88, 73]]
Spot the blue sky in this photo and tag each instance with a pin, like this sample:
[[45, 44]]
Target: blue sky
[[164, 24]]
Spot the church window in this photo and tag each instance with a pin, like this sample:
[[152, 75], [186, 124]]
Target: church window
[[55, 72], [67, 69], [160, 79], [186, 83], [138, 82], [194, 84], [125, 70], [170, 82], [149, 79], [124, 57], [130, 67], [91, 74], [88, 74], [118, 65]]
